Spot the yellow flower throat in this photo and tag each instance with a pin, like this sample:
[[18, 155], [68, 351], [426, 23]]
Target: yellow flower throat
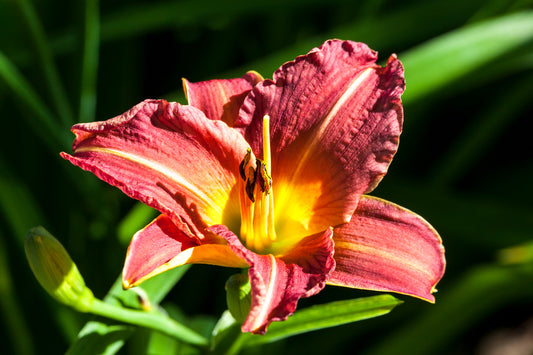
[[257, 198]]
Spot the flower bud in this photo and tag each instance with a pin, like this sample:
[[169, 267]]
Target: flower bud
[[238, 296], [55, 270]]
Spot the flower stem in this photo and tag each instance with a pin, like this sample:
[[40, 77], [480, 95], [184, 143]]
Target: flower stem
[[152, 320]]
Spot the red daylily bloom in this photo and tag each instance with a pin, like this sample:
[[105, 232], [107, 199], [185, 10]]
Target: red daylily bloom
[[271, 175]]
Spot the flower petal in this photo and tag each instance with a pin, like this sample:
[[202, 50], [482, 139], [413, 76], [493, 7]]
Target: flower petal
[[170, 157], [221, 99], [335, 121], [279, 282], [388, 248], [162, 245]]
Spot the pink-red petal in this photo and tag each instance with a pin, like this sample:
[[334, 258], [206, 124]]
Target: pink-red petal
[[279, 282], [335, 120], [221, 99], [162, 245], [170, 157], [153, 246], [387, 248]]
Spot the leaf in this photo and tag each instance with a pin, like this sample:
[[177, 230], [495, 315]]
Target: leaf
[[138, 217], [43, 123], [18, 206], [481, 291], [99, 337], [105, 334], [46, 60], [482, 133], [325, 316], [225, 332], [15, 324], [89, 71], [451, 56]]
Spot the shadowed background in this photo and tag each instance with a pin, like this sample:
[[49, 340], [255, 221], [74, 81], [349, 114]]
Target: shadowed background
[[464, 161]]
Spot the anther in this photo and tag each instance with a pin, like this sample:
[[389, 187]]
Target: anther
[[250, 184], [263, 178], [244, 163]]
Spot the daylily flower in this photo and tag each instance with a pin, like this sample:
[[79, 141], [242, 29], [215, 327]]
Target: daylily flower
[[272, 175]]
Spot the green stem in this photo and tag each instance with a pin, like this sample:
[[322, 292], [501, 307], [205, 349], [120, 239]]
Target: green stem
[[151, 320]]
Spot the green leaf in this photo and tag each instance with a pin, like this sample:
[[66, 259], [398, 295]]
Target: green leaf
[[106, 334], [43, 123], [139, 216], [89, 71], [325, 316], [18, 206], [482, 132], [479, 292], [98, 337], [17, 329], [449, 57], [225, 332], [45, 59]]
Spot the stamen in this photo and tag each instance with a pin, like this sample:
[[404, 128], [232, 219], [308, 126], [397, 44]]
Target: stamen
[[268, 164], [244, 163], [257, 200], [266, 143], [250, 184], [263, 178]]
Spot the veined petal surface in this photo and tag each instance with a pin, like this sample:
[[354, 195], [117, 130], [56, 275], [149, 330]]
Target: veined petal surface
[[169, 156], [279, 282], [387, 248], [162, 245], [335, 120], [221, 99]]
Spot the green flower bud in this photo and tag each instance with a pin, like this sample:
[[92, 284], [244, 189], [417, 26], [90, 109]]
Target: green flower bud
[[55, 270], [238, 296]]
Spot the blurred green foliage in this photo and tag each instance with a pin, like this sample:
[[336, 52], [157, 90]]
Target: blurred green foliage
[[464, 162]]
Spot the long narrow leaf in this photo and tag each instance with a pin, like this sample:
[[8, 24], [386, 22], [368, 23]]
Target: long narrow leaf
[[440, 61], [44, 53], [480, 291], [139, 216], [106, 336], [482, 132], [44, 125], [10, 310], [325, 316], [89, 70], [18, 208]]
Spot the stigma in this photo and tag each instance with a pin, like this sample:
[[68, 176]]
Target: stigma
[[257, 198]]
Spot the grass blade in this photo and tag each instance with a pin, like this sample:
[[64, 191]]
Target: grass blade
[[44, 54], [449, 57], [482, 133], [325, 316], [46, 127], [89, 70], [480, 291], [106, 336]]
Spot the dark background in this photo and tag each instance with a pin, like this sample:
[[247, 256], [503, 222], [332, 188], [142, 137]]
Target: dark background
[[464, 162]]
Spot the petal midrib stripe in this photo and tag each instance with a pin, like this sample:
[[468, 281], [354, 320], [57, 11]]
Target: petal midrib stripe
[[389, 255], [268, 299], [314, 143], [169, 173]]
